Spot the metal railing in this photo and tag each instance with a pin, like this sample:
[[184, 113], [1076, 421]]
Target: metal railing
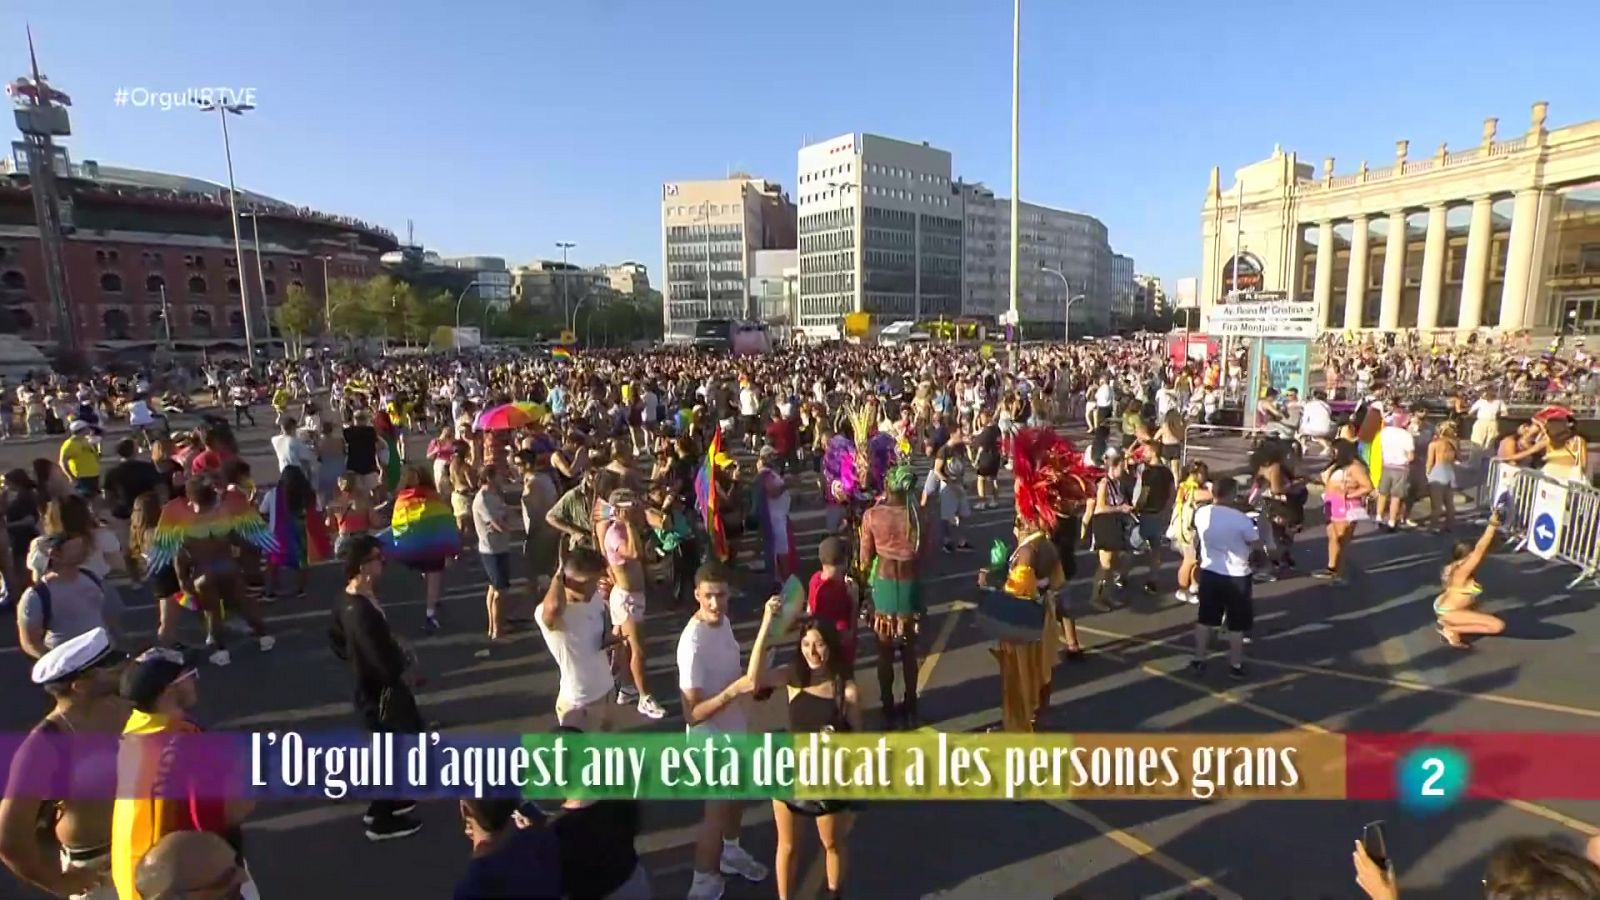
[[1512, 489]]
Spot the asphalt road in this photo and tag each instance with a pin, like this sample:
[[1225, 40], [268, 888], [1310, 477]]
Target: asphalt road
[[1360, 656]]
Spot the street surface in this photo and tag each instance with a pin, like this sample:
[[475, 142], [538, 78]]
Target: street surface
[[1361, 656]]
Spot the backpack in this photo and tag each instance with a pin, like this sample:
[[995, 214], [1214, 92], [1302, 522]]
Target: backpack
[[41, 590]]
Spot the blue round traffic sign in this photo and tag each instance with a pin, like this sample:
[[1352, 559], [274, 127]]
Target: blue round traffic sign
[[1544, 532]]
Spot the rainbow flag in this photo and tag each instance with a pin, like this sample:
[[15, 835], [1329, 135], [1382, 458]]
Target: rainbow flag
[[705, 495], [421, 528], [561, 353], [301, 539]]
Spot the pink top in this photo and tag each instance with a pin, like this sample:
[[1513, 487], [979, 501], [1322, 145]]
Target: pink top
[[616, 541], [438, 449]]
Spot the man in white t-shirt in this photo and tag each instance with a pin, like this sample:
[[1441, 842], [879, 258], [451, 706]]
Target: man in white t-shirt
[[1486, 412], [716, 690], [573, 620], [1398, 448], [292, 450], [1227, 537], [1316, 421]]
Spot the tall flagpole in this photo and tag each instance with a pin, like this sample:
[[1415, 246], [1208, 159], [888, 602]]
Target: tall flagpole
[[1016, 160]]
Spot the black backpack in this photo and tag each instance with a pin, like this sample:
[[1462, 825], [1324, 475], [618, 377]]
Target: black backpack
[[41, 590]]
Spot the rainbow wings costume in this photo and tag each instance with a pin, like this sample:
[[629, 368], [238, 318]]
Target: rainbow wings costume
[[421, 528], [233, 516]]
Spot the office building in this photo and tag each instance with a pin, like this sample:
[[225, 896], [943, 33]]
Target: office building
[[1123, 289], [629, 279], [982, 256], [490, 279], [1074, 244], [1150, 301], [1503, 236], [709, 232], [774, 287], [880, 232]]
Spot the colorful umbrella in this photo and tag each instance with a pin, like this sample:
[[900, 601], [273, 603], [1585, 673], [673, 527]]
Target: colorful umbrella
[[508, 417]]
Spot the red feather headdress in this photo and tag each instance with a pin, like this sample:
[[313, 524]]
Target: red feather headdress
[[1051, 475]]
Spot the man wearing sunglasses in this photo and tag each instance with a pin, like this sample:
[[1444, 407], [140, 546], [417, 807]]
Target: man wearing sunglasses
[[163, 785]]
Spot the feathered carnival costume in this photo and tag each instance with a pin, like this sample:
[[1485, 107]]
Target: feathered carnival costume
[[1052, 476], [839, 470], [231, 517]]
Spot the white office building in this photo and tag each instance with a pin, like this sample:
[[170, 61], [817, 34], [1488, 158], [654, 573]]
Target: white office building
[[880, 231]]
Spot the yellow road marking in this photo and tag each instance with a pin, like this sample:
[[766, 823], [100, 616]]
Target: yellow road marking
[[811, 884], [1192, 879], [1537, 809], [1487, 697]]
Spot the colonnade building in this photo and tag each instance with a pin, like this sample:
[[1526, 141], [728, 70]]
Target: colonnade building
[[1502, 237]]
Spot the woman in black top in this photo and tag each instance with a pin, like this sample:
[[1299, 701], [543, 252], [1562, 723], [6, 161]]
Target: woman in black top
[[382, 668], [1069, 523], [986, 458], [822, 698]]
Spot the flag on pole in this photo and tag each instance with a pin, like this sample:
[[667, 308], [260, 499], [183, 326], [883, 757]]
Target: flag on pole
[[562, 354], [705, 494]]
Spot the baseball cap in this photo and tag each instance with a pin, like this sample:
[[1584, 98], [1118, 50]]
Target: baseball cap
[[152, 672], [78, 425]]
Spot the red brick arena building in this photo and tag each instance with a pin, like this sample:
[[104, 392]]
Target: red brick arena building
[[146, 251]]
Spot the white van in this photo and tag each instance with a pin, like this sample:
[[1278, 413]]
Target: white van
[[901, 333]]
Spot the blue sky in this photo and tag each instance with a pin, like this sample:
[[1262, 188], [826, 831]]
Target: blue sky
[[502, 127]]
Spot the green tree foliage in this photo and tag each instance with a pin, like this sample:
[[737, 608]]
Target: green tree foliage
[[297, 316]]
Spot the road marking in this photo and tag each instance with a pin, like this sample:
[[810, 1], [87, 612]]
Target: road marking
[[1536, 809], [1192, 879], [811, 884], [1487, 697]]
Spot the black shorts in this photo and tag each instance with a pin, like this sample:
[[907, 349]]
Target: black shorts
[[1226, 598], [1110, 532]]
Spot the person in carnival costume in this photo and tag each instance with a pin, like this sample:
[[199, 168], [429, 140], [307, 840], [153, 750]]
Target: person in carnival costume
[[198, 534], [891, 544], [1051, 476], [422, 535]]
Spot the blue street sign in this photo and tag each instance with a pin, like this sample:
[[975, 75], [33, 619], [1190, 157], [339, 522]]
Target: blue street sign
[[1544, 533]]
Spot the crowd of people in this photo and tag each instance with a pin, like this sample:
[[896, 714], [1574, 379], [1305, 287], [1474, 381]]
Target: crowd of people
[[590, 490]]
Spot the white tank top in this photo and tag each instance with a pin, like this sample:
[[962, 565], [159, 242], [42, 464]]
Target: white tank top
[[585, 670]]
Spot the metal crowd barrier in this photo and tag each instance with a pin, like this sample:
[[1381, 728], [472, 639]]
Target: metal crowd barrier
[[1511, 489]]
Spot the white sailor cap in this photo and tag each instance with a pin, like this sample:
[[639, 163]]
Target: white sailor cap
[[75, 656]]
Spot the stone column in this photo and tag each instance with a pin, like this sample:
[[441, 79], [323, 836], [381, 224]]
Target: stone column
[[1355, 295], [1474, 279], [1519, 260], [1432, 269], [1322, 275], [1394, 270]]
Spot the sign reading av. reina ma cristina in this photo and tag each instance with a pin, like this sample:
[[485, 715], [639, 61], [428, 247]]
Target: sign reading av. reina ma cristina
[[1264, 318]]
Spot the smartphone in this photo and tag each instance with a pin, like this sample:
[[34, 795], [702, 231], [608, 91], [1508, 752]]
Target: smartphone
[[1373, 843]]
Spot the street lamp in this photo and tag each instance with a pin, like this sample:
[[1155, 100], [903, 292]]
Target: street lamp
[[261, 273], [223, 110], [1066, 308], [460, 297], [565, 246], [843, 187]]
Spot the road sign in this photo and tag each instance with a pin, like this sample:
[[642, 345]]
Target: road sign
[[1267, 318], [1544, 524]]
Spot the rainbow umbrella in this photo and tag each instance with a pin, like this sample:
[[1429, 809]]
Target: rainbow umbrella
[[507, 417], [536, 411]]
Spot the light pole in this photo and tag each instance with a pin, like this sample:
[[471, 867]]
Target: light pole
[[565, 246], [1016, 166], [261, 272], [460, 297], [166, 318], [223, 110], [572, 325], [844, 187], [1066, 308], [327, 301]]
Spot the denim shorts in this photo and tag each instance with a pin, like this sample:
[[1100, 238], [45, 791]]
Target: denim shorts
[[497, 567]]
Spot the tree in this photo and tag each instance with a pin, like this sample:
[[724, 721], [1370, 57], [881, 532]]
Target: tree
[[297, 316], [349, 312]]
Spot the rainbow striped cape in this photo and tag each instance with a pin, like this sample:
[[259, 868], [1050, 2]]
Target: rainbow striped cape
[[233, 516], [561, 353], [421, 528], [302, 539]]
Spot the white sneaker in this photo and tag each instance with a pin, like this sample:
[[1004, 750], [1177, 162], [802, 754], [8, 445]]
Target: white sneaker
[[220, 658], [1189, 597], [266, 642], [649, 708], [705, 886], [736, 861]]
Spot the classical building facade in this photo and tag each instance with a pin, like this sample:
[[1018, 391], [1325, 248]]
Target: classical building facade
[[1504, 236]]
